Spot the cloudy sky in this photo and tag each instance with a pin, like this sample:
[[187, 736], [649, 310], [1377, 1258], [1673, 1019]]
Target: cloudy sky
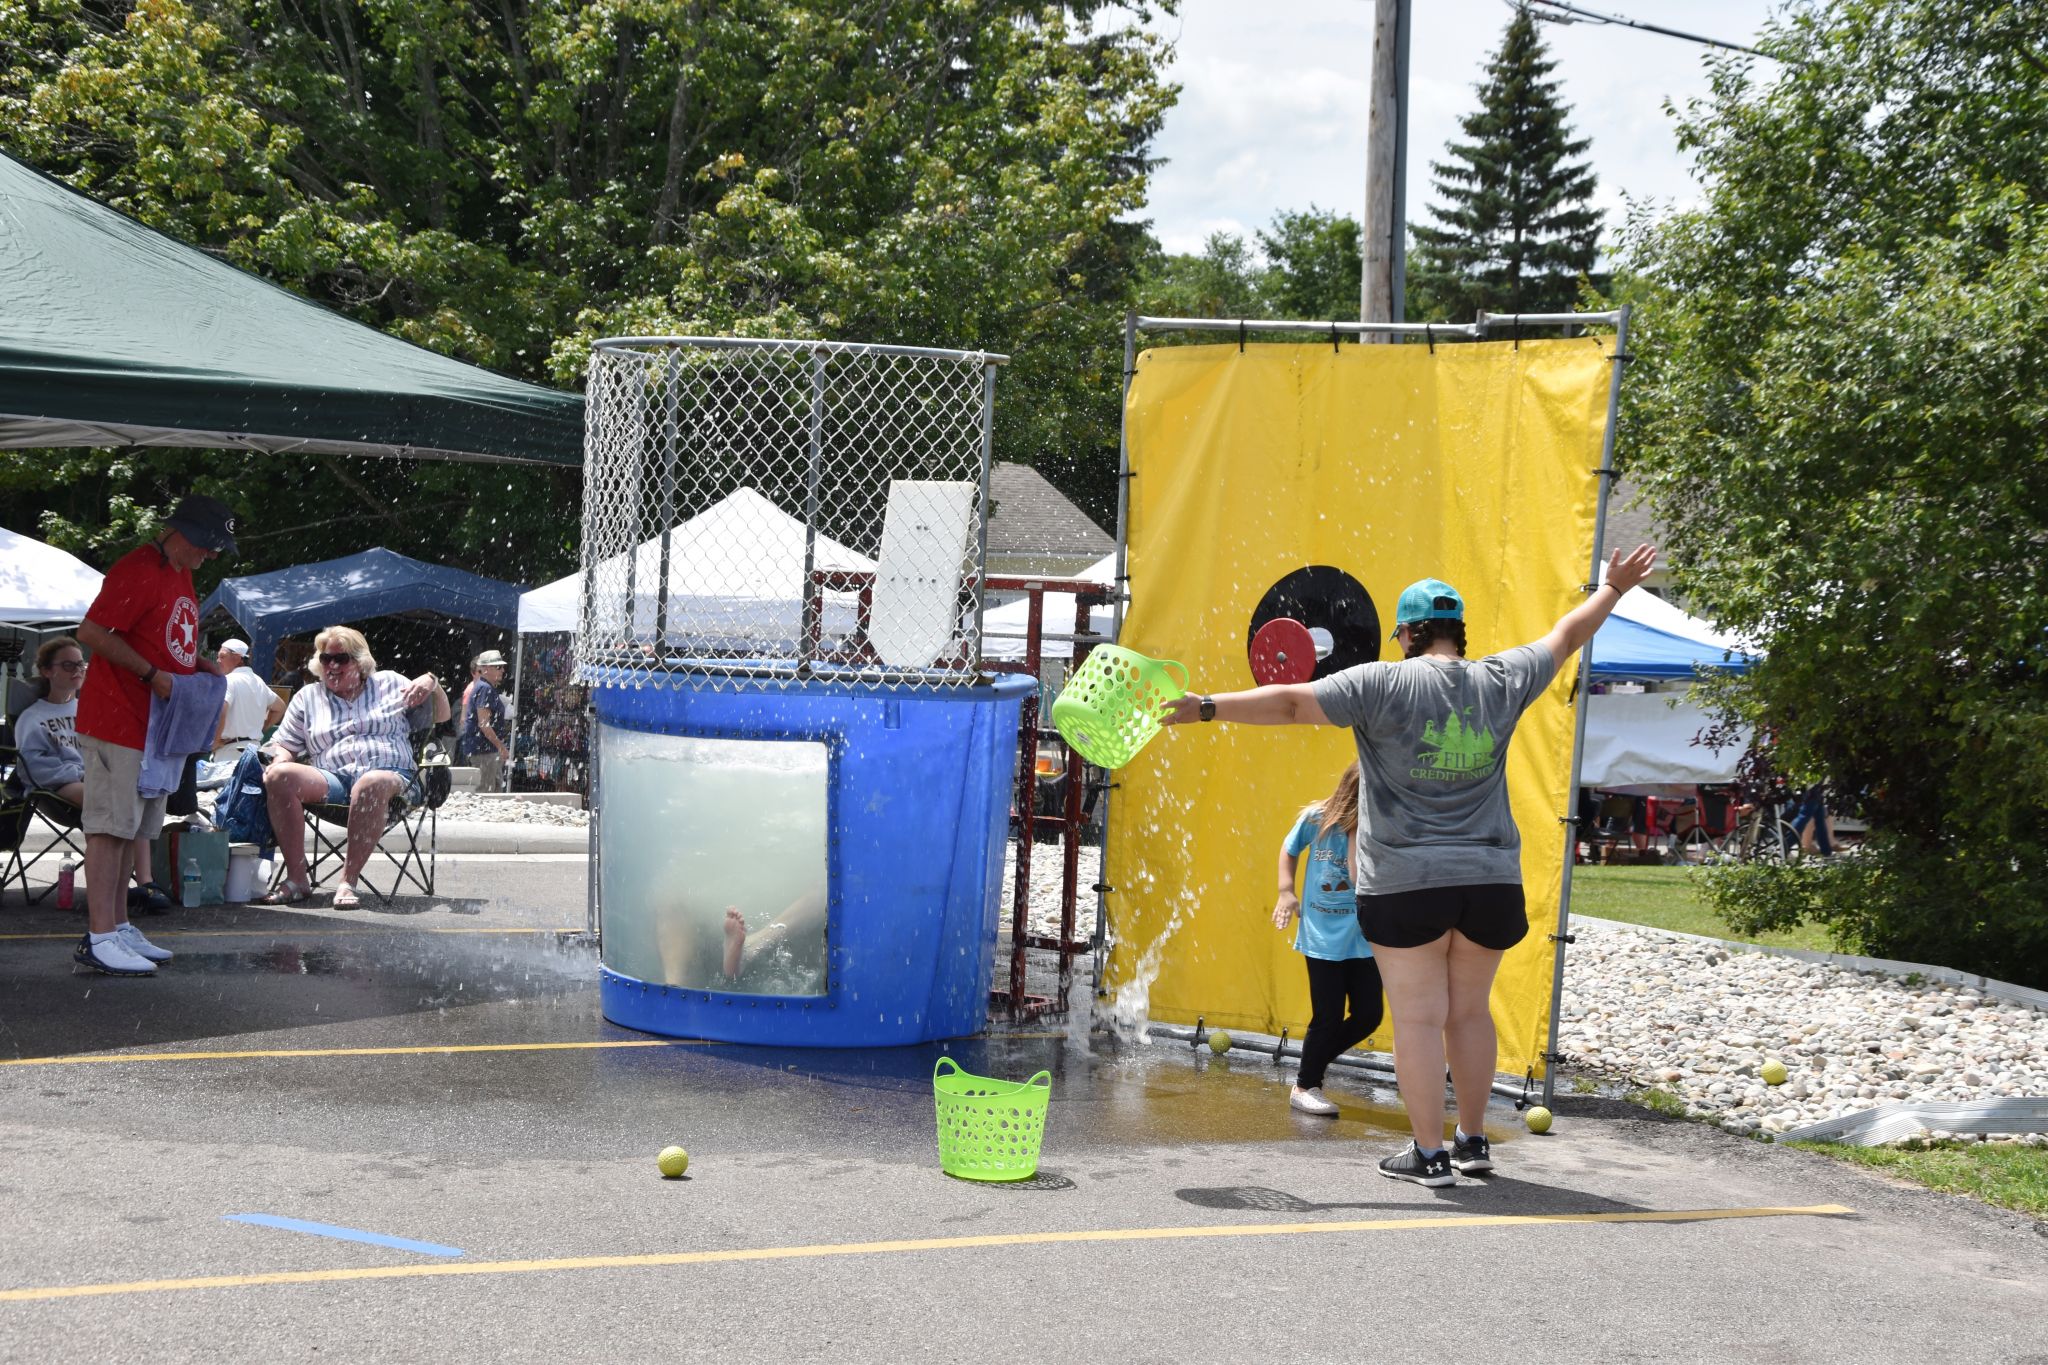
[[1273, 102]]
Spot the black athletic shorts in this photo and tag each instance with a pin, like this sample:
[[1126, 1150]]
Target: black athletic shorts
[[1491, 914]]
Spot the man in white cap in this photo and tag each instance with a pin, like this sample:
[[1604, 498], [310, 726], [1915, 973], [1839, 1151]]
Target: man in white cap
[[483, 718], [251, 707]]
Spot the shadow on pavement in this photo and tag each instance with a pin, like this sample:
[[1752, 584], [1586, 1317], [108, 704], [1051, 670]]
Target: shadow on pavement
[[1495, 1194]]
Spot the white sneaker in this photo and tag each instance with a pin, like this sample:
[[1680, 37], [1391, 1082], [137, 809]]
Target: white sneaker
[[134, 942], [1312, 1101], [111, 956]]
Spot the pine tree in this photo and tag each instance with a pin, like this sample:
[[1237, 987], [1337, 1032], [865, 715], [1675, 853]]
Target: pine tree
[[1517, 226]]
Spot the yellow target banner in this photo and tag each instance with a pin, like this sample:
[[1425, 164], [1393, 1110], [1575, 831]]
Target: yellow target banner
[[1317, 482]]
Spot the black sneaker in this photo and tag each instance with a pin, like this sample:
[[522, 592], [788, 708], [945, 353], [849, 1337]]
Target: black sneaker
[[1411, 1164], [1471, 1155], [148, 899]]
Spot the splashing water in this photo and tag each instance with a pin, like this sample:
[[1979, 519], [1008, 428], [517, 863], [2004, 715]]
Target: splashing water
[[1130, 1012]]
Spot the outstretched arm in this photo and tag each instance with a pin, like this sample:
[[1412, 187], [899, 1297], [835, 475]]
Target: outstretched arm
[[1576, 626], [1277, 704]]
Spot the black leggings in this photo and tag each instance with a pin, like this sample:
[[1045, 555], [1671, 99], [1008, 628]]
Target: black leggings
[[1329, 1031]]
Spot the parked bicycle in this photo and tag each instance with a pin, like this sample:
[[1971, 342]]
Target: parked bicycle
[[1720, 828]]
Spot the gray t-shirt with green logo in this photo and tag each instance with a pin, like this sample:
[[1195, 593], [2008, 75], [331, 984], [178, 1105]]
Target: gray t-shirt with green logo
[[1432, 751]]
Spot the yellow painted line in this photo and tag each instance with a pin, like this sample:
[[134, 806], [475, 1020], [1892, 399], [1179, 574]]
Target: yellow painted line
[[592, 1046], [297, 933], [1019, 1239]]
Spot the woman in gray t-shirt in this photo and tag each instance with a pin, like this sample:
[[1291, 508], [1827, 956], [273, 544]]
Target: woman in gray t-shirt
[[1438, 859]]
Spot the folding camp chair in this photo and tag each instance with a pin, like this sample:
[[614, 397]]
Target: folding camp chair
[[23, 810], [411, 865]]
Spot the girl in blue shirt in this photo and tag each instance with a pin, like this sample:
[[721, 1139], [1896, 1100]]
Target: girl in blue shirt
[[1340, 964]]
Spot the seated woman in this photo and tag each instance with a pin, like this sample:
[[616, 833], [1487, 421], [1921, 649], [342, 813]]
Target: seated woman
[[346, 737], [46, 732]]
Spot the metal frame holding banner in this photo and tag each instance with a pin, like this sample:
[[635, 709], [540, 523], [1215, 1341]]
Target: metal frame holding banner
[[1521, 402]]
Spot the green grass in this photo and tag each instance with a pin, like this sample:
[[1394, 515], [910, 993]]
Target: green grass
[[2010, 1177], [1665, 898], [1659, 1100]]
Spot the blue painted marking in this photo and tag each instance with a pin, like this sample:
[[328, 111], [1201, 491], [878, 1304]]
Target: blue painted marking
[[375, 1239]]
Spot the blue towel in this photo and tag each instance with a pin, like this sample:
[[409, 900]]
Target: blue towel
[[178, 728]]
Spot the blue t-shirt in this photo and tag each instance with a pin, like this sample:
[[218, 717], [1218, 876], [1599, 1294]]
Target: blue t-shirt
[[484, 702], [1329, 908]]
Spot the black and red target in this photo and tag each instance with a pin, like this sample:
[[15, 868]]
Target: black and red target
[[1324, 599]]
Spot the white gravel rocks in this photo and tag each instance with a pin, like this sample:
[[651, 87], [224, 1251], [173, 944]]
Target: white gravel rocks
[[1047, 871], [1698, 1021], [501, 810]]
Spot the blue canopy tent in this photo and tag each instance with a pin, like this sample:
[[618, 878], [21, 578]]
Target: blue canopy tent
[[1647, 742], [379, 582], [1629, 649]]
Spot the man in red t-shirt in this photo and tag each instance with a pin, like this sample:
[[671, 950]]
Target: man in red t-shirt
[[142, 628]]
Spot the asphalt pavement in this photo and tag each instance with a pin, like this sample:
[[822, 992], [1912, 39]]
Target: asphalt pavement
[[407, 1132]]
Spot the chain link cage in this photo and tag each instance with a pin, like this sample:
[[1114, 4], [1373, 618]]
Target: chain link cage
[[783, 511]]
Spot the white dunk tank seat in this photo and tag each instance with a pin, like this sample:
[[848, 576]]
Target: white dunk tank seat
[[916, 611]]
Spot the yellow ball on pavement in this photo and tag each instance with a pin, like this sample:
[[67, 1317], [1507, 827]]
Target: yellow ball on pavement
[[1773, 1072], [1538, 1119], [1219, 1042], [673, 1162]]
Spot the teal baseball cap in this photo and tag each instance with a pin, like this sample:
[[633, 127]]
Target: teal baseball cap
[[1427, 599]]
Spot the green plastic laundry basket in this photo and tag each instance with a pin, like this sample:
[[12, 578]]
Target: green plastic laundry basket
[[1110, 708], [989, 1129]]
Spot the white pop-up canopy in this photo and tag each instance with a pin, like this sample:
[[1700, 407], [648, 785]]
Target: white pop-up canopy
[[1003, 628], [40, 582], [736, 568]]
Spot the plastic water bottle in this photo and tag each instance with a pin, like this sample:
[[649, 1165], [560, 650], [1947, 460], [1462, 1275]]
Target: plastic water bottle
[[189, 889], [67, 884]]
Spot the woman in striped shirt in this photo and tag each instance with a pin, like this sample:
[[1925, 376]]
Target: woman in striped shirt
[[346, 737]]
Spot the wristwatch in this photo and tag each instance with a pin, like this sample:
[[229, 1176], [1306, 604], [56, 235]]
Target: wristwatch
[[1208, 708]]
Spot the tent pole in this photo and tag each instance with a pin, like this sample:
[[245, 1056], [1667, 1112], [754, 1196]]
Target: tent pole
[[810, 641], [671, 381], [988, 436], [518, 707], [1581, 706]]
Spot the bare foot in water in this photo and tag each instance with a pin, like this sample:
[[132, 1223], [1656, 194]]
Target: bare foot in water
[[735, 940]]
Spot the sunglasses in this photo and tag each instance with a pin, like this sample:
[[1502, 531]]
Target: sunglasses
[[337, 660]]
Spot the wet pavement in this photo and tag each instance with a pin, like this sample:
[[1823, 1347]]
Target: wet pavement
[[437, 1072]]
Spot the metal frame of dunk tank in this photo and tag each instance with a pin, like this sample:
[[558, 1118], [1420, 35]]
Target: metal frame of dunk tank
[[1489, 325], [785, 431]]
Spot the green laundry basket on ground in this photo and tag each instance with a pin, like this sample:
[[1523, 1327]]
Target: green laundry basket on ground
[[989, 1129], [1109, 709]]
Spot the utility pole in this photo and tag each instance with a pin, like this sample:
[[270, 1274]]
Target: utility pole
[[1382, 291]]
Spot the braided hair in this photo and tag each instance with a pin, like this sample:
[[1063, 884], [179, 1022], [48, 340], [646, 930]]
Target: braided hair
[[1423, 634]]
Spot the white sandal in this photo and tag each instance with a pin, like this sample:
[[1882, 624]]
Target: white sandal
[[345, 897]]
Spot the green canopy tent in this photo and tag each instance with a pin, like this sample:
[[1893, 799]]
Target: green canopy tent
[[112, 334]]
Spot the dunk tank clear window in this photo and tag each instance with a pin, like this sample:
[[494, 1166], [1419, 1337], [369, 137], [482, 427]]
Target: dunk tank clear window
[[715, 871]]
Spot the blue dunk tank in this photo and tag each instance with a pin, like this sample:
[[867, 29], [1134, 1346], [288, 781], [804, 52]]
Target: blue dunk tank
[[801, 776]]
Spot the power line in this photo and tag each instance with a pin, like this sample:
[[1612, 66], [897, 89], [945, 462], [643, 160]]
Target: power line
[[1558, 12]]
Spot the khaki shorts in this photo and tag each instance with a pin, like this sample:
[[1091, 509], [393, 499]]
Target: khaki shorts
[[490, 769], [113, 792]]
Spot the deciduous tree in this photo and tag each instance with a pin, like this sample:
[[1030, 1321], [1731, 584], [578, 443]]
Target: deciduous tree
[[504, 180], [1840, 411]]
